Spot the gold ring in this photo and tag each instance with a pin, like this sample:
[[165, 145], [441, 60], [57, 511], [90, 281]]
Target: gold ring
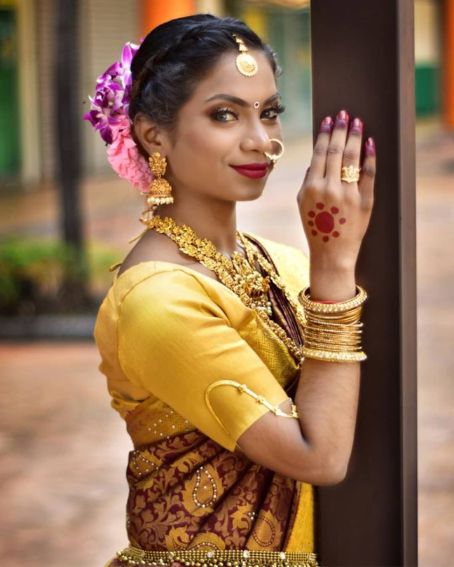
[[350, 174], [274, 157]]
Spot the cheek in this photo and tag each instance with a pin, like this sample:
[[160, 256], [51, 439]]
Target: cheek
[[204, 147], [199, 141]]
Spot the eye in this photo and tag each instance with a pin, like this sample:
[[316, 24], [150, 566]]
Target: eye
[[224, 115], [273, 112]]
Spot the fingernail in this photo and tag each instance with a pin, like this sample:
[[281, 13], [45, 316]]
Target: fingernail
[[370, 147], [342, 119], [326, 125], [357, 126]]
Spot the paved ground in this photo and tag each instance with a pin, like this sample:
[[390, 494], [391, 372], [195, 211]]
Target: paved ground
[[62, 449]]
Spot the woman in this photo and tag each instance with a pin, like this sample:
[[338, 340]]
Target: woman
[[232, 414]]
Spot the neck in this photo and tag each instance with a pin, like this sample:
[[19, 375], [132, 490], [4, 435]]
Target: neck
[[211, 219]]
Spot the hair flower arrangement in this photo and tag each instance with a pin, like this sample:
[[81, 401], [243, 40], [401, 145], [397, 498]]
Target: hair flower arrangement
[[109, 116]]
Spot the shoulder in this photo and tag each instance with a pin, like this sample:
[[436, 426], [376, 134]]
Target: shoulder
[[160, 279], [158, 291]]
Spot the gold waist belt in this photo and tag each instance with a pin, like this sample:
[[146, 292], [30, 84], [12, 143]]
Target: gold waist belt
[[219, 558]]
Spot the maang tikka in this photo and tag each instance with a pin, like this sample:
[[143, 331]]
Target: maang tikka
[[160, 192], [245, 63]]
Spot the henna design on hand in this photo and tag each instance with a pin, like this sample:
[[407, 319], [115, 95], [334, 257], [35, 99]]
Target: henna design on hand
[[324, 221]]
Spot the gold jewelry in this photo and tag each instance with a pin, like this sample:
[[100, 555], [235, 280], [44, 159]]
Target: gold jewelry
[[245, 63], [160, 192], [212, 558], [338, 307], [238, 273], [333, 356], [350, 174], [274, 157], [243, 389], [333, 330]]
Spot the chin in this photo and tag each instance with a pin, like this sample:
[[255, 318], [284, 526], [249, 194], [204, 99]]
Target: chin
[[251, 197], [249, 192]]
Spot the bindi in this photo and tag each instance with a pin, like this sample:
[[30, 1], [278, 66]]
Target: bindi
[[323, 221]]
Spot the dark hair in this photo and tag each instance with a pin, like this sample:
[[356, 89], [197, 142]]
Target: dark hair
[[176, 55]]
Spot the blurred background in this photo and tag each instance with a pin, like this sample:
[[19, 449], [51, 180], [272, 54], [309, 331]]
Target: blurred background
[[65, 218]]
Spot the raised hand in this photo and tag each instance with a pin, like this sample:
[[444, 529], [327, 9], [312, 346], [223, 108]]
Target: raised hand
[[335, 213]]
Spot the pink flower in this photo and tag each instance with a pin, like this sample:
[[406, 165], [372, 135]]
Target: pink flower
[[125, 158], [108, 114]]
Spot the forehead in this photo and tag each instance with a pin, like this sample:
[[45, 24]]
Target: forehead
[[226, 79]]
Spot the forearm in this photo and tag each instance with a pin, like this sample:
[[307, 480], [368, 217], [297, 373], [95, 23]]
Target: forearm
[[327, 394]]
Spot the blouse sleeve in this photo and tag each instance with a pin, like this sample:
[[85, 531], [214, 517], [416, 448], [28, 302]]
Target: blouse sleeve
[[176, 343]]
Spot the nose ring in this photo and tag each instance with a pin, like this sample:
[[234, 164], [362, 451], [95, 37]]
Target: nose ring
[[274, 157]]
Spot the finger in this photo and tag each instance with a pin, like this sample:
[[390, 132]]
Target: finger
[[352, 152], [367, 178], [336, 146], [318, 163]]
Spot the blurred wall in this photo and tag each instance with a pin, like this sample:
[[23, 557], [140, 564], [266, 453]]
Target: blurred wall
[[27, 153], [427, 56], [9, 71], [27, 48], [104, 28]]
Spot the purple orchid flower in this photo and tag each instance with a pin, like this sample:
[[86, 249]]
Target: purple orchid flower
[[112, 95]]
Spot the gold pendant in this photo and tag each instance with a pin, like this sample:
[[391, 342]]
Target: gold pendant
[[246, 64]]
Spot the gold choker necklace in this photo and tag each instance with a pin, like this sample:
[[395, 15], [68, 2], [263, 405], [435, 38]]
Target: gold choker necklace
[[236, 273]]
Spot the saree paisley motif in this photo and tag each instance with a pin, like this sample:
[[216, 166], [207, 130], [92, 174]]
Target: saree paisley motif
[[198, 496]]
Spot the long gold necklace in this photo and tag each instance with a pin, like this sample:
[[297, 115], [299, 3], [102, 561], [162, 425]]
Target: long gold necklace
[[236, 273], [255, 256]]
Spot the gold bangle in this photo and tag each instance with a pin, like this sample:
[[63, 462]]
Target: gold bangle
[[330, 356], [332, 332], [337, 307], [322, 344], [351, 316]]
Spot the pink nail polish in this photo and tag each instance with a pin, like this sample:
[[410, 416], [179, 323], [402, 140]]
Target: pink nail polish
[[326, 125], [342, 119], [357, 126], [370, 148]]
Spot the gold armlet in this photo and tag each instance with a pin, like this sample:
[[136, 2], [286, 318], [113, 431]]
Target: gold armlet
[[115, 266], [243, 389]]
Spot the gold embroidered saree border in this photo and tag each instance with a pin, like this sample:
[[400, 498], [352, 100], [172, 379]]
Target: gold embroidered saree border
[[218, 558]]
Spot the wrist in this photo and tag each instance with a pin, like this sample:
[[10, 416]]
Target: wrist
[[334, 285], [337, 264]]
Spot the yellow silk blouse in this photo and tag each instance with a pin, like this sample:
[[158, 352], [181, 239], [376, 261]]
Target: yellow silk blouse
[[166, 333]]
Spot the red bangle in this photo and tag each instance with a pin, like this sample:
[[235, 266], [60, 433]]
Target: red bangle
[[322, 301]]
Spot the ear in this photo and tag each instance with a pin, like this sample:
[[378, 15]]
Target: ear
[[151, 137]]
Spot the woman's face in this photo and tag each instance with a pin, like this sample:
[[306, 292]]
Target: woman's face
[[228, 122]]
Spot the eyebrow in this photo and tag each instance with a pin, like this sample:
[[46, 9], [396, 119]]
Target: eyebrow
[[240, 101]]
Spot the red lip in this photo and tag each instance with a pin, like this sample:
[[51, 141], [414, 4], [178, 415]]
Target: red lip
[[254, 170]]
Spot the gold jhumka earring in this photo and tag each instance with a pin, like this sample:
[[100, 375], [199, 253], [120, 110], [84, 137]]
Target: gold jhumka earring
[[160, 192]]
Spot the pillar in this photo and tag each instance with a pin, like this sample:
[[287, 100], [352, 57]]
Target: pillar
[[363, 60]]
